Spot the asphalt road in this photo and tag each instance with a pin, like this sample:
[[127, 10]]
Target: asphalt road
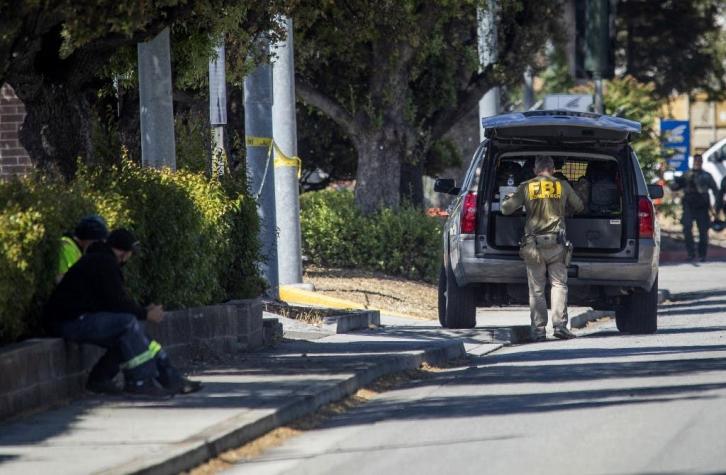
[[604, 403]]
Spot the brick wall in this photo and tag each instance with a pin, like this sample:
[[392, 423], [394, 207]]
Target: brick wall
[[14, 160]]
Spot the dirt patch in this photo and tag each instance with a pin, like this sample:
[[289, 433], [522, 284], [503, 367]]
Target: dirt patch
[[376, 290]]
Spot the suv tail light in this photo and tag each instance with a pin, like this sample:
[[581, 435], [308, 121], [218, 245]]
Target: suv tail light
[[646, 217], [468, 214]]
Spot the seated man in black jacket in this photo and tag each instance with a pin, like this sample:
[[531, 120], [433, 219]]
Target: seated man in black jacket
[[91, 305]]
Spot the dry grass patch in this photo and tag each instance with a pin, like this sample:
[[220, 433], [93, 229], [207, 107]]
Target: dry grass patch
[[376, 290]]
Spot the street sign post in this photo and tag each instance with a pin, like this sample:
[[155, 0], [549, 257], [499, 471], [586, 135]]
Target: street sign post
[[218, 108], [676, 139]]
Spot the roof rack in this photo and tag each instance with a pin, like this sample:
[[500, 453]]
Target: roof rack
[[561, 112]]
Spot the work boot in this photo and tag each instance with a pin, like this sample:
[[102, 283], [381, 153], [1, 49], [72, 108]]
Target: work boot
[[184, 386], [564, 334], [173, 381], [104, 386], [538, 336], [147, 388]]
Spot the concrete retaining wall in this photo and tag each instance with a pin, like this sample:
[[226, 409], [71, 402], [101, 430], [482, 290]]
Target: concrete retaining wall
[[41, 373]]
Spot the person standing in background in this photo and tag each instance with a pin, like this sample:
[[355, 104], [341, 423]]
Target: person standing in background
[[695, 184]]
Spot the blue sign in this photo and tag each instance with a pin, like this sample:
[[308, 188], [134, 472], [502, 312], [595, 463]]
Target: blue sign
[[675, 136]]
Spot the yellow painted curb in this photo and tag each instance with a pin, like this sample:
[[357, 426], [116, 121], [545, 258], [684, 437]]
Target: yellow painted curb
[[294, 295]]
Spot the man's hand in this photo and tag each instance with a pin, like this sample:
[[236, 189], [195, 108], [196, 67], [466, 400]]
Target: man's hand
[[155, 313]]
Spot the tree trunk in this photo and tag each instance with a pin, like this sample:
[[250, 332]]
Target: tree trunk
[[411, 187], [379, 172], [129, 123], [57, 127]]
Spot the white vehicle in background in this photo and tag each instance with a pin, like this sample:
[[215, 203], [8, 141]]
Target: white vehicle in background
[[714, 161]]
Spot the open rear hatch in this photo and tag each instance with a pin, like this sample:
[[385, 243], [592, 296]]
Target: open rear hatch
[[560, 127], [589, 152]]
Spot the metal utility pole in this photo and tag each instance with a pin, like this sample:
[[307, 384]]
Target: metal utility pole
[[599, 102], [597, 36], [260, 166], [287, 164], [528, 96], [487, 32], [157, 107], [218, 109]]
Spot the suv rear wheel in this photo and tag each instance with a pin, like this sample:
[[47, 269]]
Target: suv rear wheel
[[638, 312], [457, 305], [442, 296]]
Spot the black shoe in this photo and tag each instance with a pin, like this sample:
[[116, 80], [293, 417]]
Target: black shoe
[[691, 257], [185, 386], [147, 388], [106, 386], [703, 259], [538, 337], [564, 334]]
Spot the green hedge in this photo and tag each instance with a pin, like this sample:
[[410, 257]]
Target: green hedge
[[199, 237], [402, 242]]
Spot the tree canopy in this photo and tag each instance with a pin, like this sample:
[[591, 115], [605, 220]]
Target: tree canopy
[[678, 45], [396, 75], [60, 57]]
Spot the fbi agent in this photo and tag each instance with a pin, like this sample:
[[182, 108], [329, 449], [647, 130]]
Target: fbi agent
[[544, 247]]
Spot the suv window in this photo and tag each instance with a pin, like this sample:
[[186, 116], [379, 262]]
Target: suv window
[[471, 179]]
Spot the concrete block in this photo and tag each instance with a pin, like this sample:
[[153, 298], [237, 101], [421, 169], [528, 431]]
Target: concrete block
[[272, 331], [202, 324], [25, 363], [582, 319], [351, 321]]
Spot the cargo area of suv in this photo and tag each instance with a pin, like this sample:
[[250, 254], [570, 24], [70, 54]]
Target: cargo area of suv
[[599, 181]]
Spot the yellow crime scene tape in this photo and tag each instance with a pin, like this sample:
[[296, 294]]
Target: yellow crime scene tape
[[251, 141], [280, 159]]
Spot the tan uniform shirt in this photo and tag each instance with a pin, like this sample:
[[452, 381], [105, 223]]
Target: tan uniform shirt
[[547, 199]]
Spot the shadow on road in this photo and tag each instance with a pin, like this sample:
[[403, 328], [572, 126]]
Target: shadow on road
[[682, 304], [686, 330], [695, 310], [696, 295], [540, 399]]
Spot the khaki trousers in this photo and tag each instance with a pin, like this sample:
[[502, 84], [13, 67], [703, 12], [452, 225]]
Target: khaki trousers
[[554, 267]]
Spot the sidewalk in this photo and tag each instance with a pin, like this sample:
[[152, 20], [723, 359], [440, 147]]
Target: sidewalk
[[240, 402]]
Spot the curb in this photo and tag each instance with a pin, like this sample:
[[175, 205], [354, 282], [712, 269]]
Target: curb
[[335, 322], [296, 295], [715, 254], [358, 320], [581, 320], [237, 431]]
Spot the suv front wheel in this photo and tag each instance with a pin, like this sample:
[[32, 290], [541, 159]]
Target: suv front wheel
[[638, 312], [457, 305]]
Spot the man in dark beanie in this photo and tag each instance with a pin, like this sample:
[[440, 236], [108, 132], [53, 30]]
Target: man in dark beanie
[[91, 305], [90, 229]]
